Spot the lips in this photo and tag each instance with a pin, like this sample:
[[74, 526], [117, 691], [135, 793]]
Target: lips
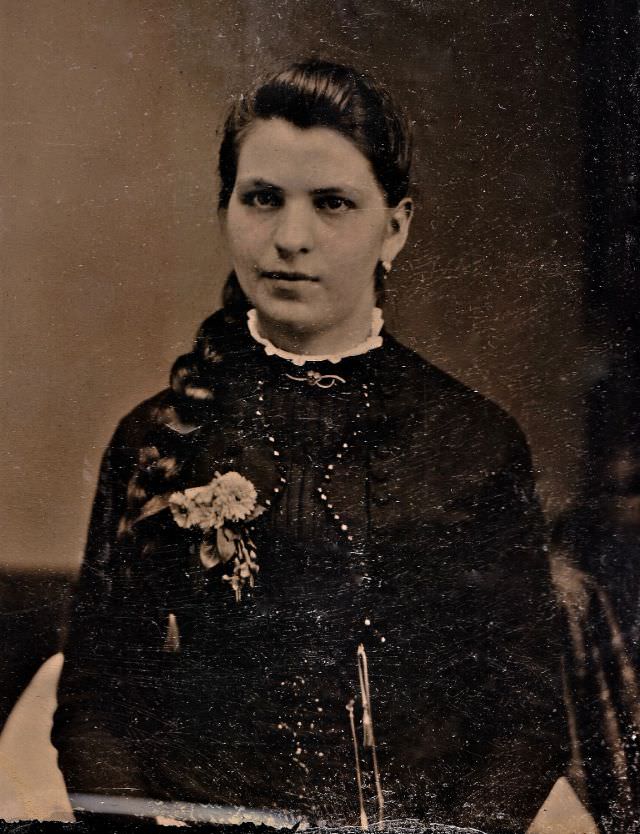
[[288, 276]]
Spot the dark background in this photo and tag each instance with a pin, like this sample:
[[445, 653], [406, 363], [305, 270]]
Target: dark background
[[520, 276]]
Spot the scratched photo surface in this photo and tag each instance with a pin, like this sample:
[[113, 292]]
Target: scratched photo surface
[[356, 444]]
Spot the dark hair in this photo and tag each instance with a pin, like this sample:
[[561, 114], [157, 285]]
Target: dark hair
[[323, 94], [318, 93]]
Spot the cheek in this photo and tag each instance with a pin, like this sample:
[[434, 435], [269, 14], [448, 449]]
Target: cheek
[[239, 248], [242, 235], [360, 241], [357, 252]]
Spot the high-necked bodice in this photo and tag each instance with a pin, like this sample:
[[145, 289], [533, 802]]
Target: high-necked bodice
[[311, 412], [422, 544]]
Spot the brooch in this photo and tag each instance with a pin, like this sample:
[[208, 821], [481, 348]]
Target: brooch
[[316, 378]]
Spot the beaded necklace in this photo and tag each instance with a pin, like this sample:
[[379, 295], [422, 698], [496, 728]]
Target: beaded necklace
[[313, 378]]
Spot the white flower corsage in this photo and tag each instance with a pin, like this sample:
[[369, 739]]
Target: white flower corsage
[[218, 508]]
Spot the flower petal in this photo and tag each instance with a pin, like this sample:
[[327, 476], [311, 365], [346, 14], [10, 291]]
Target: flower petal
[[259, 509], [235, 496]]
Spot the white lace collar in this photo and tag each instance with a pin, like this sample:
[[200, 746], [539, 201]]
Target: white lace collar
[[374, 340]]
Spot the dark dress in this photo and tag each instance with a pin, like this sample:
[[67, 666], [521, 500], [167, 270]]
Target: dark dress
[[402, 517]]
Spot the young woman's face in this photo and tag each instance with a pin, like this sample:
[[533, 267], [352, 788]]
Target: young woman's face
[[306, 224]]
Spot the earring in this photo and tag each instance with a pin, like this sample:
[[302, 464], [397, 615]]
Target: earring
[[386, 265]]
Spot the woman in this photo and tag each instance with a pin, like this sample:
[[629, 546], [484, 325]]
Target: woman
[[315, 577]]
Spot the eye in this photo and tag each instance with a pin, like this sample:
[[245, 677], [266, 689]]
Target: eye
[[333, 203], [263, 198]]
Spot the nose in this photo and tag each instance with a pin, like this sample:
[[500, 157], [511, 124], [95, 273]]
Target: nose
[[294, 231]]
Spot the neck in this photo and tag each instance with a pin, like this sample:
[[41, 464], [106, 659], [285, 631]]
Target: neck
[[338, 339]]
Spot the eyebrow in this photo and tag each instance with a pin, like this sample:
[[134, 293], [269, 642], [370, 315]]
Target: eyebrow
[[259, 183], [316, 192], [335, 189]]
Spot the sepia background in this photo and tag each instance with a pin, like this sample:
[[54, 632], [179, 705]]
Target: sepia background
[[112, 111]]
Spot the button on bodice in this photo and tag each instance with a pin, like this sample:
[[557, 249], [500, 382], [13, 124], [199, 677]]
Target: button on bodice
[[310, 415]]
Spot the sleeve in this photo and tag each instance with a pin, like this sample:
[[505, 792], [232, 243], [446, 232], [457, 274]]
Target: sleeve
[[527, 745], [112, 650]]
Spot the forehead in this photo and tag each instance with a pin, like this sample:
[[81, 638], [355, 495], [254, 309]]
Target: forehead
[[280, 153]]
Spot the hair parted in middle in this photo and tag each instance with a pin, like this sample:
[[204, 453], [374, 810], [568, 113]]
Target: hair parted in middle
[[318, 93]]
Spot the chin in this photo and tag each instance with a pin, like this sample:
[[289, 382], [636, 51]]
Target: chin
[[290, 315]]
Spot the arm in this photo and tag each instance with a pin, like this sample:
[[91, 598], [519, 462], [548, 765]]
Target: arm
[[527, 751], [114, 625]]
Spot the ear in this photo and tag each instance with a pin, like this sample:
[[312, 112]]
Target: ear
[[398, 224]]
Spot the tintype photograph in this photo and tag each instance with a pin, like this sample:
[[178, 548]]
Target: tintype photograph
[[321, 460]]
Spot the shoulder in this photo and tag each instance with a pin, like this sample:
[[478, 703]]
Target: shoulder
[[444, 411]]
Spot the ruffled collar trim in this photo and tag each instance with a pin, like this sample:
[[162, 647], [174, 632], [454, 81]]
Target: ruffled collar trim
[[373, 341]]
